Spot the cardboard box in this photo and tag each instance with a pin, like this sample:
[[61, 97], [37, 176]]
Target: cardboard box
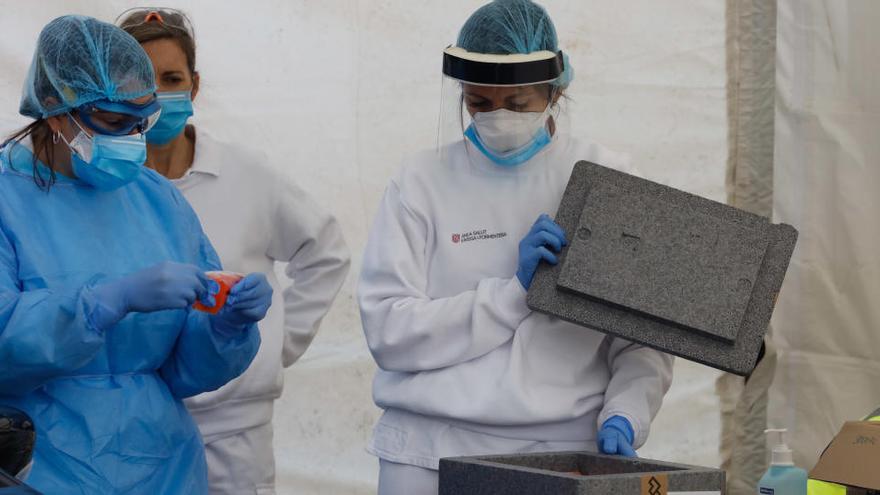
[[574, 473], [852, 458]]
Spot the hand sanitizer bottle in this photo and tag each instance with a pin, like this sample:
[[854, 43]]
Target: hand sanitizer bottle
[[783, 477]]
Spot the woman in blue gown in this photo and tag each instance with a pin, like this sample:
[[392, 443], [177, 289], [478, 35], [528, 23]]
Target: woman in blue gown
[[101, 260]]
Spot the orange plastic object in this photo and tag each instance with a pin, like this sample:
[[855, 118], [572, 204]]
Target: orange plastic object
[[226, 280]]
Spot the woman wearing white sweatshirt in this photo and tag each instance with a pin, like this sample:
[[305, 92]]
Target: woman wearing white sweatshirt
[[255, 217], [465, 367]]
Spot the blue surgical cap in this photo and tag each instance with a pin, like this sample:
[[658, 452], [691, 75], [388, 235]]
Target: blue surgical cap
[[79, 60], [504, 27]]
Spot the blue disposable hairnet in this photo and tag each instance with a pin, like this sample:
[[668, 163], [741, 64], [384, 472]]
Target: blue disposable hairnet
[[504, 27], [79, 60]]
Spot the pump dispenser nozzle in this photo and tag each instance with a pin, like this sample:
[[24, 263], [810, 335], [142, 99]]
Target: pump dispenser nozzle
[[782, 455]]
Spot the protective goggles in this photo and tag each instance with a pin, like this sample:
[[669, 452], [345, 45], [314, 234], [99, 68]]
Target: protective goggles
[[119, 118], [168, 17], [502, 70]]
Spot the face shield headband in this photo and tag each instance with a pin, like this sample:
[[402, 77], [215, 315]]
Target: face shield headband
[[502, 70]]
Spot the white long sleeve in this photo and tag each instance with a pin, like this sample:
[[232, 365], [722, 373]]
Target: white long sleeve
[[311, 242], [640, 377], [256, 217], [405, 329]]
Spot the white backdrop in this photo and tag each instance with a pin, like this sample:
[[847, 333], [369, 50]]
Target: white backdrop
[[337, 91], [827, 180]]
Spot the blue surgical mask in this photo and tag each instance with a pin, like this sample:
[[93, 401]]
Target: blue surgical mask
[[509, 138], [107, 162], [176, 110]]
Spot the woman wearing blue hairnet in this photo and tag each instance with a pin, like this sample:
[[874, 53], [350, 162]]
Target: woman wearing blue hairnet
[[101, 260], [465, 367], [273, 221]]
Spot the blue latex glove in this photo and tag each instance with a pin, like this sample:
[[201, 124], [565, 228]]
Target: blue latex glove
[[160, 287], [545, 238], [616, 437], [248, 302]]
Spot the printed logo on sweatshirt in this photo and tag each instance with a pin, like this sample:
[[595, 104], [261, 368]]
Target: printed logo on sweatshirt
[[477, 235]]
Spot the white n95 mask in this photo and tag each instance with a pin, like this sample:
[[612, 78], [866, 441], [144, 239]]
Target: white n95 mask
[[509, 138]]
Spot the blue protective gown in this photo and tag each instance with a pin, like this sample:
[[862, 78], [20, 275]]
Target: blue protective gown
[[107, 403]]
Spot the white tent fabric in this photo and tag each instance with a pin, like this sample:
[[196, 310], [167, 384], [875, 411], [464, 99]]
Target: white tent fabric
[[336, 92], [827, 177]]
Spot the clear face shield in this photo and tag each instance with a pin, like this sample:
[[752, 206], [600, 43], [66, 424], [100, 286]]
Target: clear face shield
[[503, 107]]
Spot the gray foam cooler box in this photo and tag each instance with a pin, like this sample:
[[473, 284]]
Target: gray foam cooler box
[[574, 473], [664, 268]]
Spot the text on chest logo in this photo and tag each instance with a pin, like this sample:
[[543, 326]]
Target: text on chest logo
[[477, 235]]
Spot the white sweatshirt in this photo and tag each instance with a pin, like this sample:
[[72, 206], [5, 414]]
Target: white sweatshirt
[[254, 217], [465, 367]]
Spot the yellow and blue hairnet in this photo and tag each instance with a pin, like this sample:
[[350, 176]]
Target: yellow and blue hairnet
[[505, 27], [79, 60]]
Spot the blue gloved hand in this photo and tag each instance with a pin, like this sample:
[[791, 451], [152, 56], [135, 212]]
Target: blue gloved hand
[[545, 238], [248, 302], [164, 286], [616, 437]]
